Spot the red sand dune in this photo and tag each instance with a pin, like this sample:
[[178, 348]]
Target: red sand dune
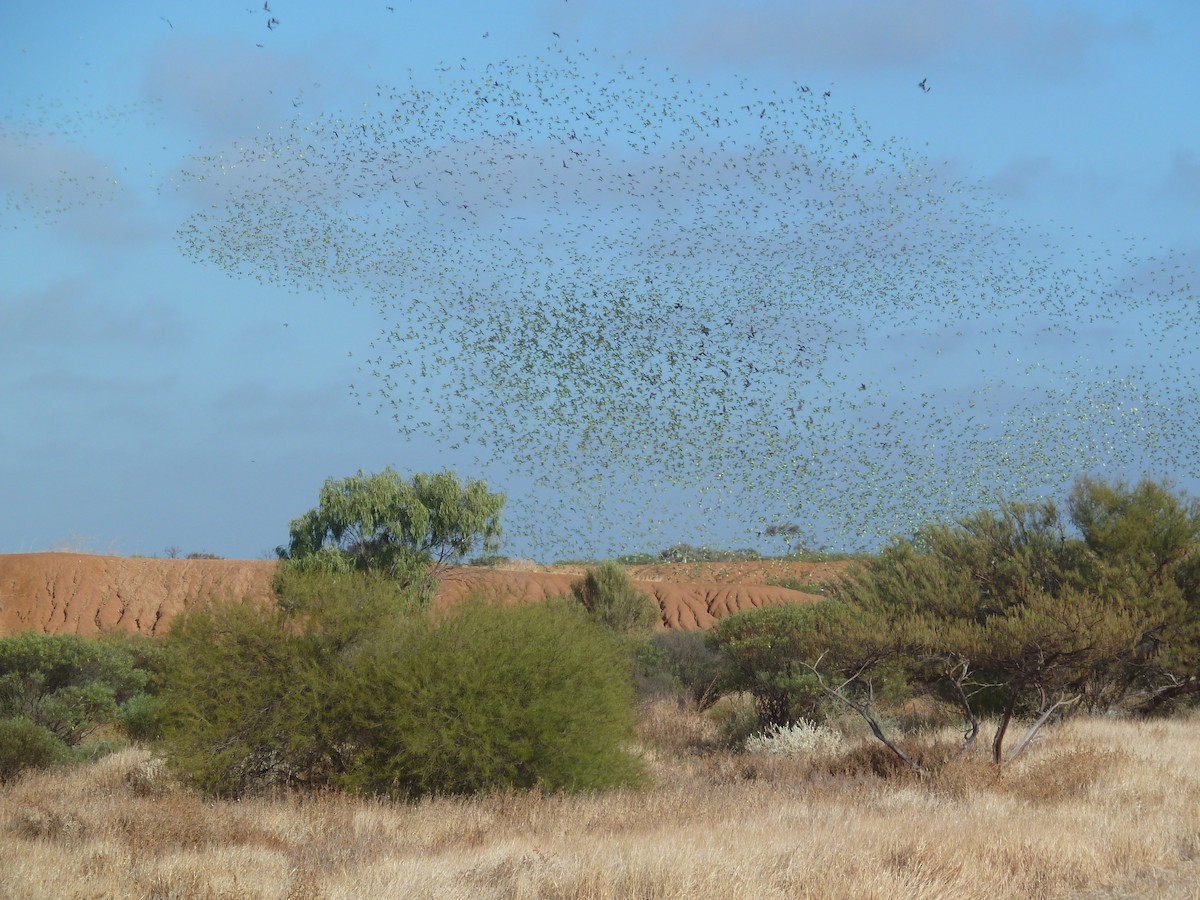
[[78, 593]]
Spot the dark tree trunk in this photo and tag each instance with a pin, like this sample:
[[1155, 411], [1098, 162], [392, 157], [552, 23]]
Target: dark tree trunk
[[1168, 696], [1002, 729]]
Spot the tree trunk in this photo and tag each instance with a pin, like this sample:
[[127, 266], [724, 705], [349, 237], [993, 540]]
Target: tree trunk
[[1002, 728], [1168, 695]]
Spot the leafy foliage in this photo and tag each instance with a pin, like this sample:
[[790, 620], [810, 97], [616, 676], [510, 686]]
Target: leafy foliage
[[24, 744], [496, 698], [1002, 610], [611, 600], [767, 653], [1147, 537], [384, 522], [68, 684], [693, 665], [250, 689], [340, 685], [1002, 613]]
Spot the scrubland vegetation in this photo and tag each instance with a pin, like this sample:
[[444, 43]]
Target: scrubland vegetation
[[350, 741], [1093, 801]]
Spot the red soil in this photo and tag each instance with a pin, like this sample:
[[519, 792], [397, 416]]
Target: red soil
[[83, 594]]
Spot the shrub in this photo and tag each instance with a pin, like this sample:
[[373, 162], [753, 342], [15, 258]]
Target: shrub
[[247, 691], [341, 685], [737, 721], [802, 737], [766, 653], [140, 717], [611, 600], [26, 745], [495, 697], [68, 684], [694, 665], [1004, 613]]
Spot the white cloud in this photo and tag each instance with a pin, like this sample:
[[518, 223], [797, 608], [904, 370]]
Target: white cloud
[[885, 34]]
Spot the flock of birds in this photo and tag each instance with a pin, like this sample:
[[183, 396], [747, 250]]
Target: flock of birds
[[669, 311], [679, 310]]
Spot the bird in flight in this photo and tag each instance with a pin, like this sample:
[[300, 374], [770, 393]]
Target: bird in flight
[[924, 85]]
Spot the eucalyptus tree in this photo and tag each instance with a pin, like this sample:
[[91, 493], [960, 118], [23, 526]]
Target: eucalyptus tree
[[401, 527]]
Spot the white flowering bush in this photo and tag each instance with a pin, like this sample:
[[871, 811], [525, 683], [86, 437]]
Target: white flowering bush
[[799, 737]]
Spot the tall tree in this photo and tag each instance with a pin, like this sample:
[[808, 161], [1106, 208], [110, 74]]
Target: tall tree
[[1004, 612], [384, 522]]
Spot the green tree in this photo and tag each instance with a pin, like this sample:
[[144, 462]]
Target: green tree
[[1148, 536], [385, 522], [1002, 612]]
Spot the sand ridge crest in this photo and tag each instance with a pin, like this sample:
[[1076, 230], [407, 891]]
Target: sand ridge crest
[[78, 593]]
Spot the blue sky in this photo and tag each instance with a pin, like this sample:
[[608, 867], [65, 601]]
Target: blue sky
[[153, 398]]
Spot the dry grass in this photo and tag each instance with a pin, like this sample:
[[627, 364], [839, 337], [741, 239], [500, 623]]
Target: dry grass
[[1089, 804]]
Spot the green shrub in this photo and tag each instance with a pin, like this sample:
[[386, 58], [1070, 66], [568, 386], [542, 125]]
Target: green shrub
[[341, 685], [68, 684], [26, 745], [140, 717], [494, 697], [737, 721], [767, 653], [652, 675], [247, 690], [611, 600], [694, 665]]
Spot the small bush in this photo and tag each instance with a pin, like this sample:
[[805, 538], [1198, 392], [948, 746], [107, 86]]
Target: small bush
[[764, 651], [801, 737], [692, 663], [652, 675], [68, 684], [245, 698], [611, 600], [26, 745], [737, 721], [140, 718]]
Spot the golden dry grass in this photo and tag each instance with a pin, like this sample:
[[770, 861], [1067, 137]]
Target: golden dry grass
[[1093, 802]]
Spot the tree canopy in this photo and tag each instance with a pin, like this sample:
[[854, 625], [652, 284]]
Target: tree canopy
[[387, 523], [1017, 612]]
